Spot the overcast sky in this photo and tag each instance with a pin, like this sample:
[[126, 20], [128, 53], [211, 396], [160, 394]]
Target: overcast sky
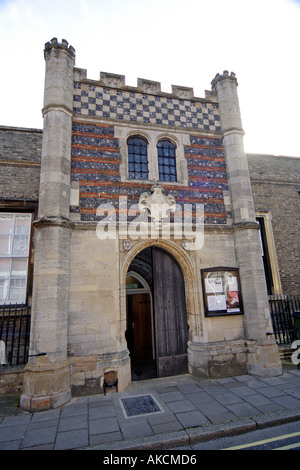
[[171, 41]]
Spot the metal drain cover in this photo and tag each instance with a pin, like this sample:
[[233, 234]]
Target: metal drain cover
[[139, 405]]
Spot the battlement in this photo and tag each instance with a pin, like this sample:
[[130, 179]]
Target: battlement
[[225, 75], [146, 86], [54, 44], [113, 80], [111, 99]]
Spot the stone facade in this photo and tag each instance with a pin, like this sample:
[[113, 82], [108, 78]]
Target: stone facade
[[80, 311], [275, 184], [20, 157]]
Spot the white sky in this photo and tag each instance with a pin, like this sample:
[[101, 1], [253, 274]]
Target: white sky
[[171, 41]]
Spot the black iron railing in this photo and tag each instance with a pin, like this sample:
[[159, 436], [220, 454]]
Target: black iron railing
[[15, 332], [282, 308]]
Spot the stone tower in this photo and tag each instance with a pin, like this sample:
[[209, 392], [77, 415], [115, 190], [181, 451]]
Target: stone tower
[[263, 355], [47, 378]]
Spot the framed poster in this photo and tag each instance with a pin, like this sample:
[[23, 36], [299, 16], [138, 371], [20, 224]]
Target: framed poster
[[221, 290]]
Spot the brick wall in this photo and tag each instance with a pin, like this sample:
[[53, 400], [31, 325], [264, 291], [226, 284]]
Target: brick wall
[[96, 162]]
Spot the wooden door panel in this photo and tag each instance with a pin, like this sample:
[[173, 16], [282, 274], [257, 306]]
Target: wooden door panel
[[170, 315], [172, 365], [142, 330]]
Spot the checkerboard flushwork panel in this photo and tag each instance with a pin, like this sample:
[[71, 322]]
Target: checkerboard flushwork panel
[[128, 105]]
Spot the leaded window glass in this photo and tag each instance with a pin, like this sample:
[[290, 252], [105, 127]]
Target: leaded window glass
[[166, 152], [137, 158]]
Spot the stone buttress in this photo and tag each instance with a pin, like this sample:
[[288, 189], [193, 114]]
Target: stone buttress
[[47, 378]]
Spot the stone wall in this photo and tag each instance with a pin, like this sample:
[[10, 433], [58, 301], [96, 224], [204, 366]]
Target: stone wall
[[11, 380], [20, 156], [275, 182]]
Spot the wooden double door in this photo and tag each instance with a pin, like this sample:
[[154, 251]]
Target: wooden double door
[[157, 327]]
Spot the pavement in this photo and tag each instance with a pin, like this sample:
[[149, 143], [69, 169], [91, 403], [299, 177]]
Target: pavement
[[181, 411]]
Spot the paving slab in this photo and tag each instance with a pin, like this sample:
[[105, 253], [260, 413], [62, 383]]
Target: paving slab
[[166, 427], [11, 445], [12, 433], [228, 398], [69, 423], [35, 425], [191, 419], [71, 439], [103, 426], [75, 409], [173, 396], [243, 410], [288, 402], [105, 438], [137, 429], [34, 438], [256, 399], [102, 412], [181, 406], [200, 397], [270, 391], [15, 420]]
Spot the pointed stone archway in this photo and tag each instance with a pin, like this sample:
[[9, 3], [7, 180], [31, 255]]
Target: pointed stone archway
[[170, 286]]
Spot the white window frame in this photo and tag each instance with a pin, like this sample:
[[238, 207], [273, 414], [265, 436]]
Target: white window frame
[[10, 256], [267, 216]]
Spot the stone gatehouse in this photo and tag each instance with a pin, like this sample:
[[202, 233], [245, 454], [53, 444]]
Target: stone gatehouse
[[146, 251]]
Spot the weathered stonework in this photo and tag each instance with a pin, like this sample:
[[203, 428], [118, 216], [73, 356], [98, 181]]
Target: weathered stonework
[[11, 380], [47, 381], [20, 161], [46, 385]]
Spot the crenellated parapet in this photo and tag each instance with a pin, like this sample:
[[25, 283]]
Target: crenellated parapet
[[224, 76], [109, 98], [54, 45], [144, 85]]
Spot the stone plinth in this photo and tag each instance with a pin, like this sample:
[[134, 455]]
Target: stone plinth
[[46, 386]]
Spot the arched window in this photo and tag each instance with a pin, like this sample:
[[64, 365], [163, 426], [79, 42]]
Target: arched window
[[137, 158], [166, 153]]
